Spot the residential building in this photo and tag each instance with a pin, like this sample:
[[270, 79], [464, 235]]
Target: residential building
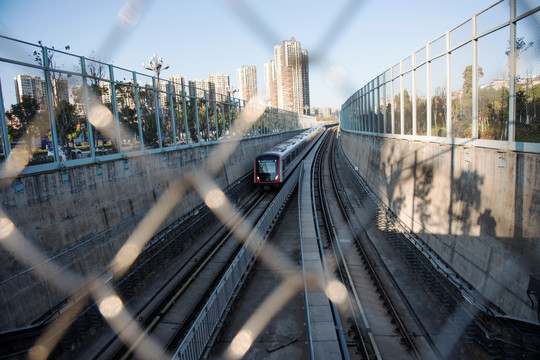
[[32, 86], [221, 82], [247, 82], [288, 77], [305, 81], [198, 87], [177, 82], [270, 80]]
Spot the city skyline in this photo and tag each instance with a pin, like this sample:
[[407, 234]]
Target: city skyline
[[237, 33]]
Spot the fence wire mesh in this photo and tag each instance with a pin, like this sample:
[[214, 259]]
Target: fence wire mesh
[[115, 112]]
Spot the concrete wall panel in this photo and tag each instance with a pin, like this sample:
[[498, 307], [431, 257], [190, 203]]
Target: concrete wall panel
[[477, 208], [80, 216]]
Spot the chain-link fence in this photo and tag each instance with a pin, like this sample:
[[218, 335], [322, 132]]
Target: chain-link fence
[[65, 113], [65, 110], [480, 80]]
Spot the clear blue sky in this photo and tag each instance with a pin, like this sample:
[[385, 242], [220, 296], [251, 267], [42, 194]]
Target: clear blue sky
[[354, 40]]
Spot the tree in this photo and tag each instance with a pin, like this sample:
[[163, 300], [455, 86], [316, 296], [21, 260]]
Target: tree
[[64, 112], [521, 47], [21, 117], [467, 79], [438, 111], [67, 121], [96, 72]]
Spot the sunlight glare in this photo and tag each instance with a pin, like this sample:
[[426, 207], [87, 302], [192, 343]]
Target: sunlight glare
[[241, 343], [6, 227], [101, 117], [336, 291], [253, 110], [127, 254], [17, 161], [38, 352], [110, 306], [130, 14], [215, 199]]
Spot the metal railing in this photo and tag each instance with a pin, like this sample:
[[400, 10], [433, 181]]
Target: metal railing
[[68, 109], [477, 83]]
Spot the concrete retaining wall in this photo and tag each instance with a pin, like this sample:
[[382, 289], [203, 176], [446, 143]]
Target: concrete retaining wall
[[80, 216], [477, 208]]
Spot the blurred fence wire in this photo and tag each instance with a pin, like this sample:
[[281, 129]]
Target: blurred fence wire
[[114, 113]]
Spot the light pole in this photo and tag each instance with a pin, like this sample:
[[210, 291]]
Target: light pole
[[156, 65], [231, 90]]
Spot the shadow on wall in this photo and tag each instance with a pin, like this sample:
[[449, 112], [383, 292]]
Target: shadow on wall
[[466, 197], [423, 185], [478, 212], [394, 180], [487, 223]]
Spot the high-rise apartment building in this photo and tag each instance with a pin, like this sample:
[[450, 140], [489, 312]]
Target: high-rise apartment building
[[270, 80], [32, 86], [177, 82], [198, 87], [106, 96], [247, 82], [221, 82], [289, 72]]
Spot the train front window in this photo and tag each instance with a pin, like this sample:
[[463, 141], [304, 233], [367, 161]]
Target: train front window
[[267, 169]]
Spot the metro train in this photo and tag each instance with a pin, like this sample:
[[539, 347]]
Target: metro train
[[273, 167]]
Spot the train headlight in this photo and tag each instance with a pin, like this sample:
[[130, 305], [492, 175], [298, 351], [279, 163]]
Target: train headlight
[[276, 177], [258, 178]]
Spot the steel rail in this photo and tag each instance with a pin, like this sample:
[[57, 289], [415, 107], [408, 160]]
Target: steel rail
[[384, 294], [170, 296], [346, 276], [335, 311], [205, 325]]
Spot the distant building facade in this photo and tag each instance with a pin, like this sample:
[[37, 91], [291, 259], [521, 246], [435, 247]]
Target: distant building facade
[[221, 83], [31, 86], [197, 87], [177, 82], [34, 87], [247, 82], [325, 113], [287, 78], [270, 80]]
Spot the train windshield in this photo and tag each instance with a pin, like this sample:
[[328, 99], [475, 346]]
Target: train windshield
[[267, 168]]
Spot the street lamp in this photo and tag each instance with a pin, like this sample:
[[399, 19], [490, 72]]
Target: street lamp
[[156, 65], [231, 90]]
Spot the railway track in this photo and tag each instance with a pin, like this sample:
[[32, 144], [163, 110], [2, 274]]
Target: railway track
[[154, 272], [169, 312], [400, 303], [167, 316], [447, 318], [400, 306], [375, 328]]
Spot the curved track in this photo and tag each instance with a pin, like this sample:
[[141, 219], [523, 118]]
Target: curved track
[[167, 315], [375, 327]]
